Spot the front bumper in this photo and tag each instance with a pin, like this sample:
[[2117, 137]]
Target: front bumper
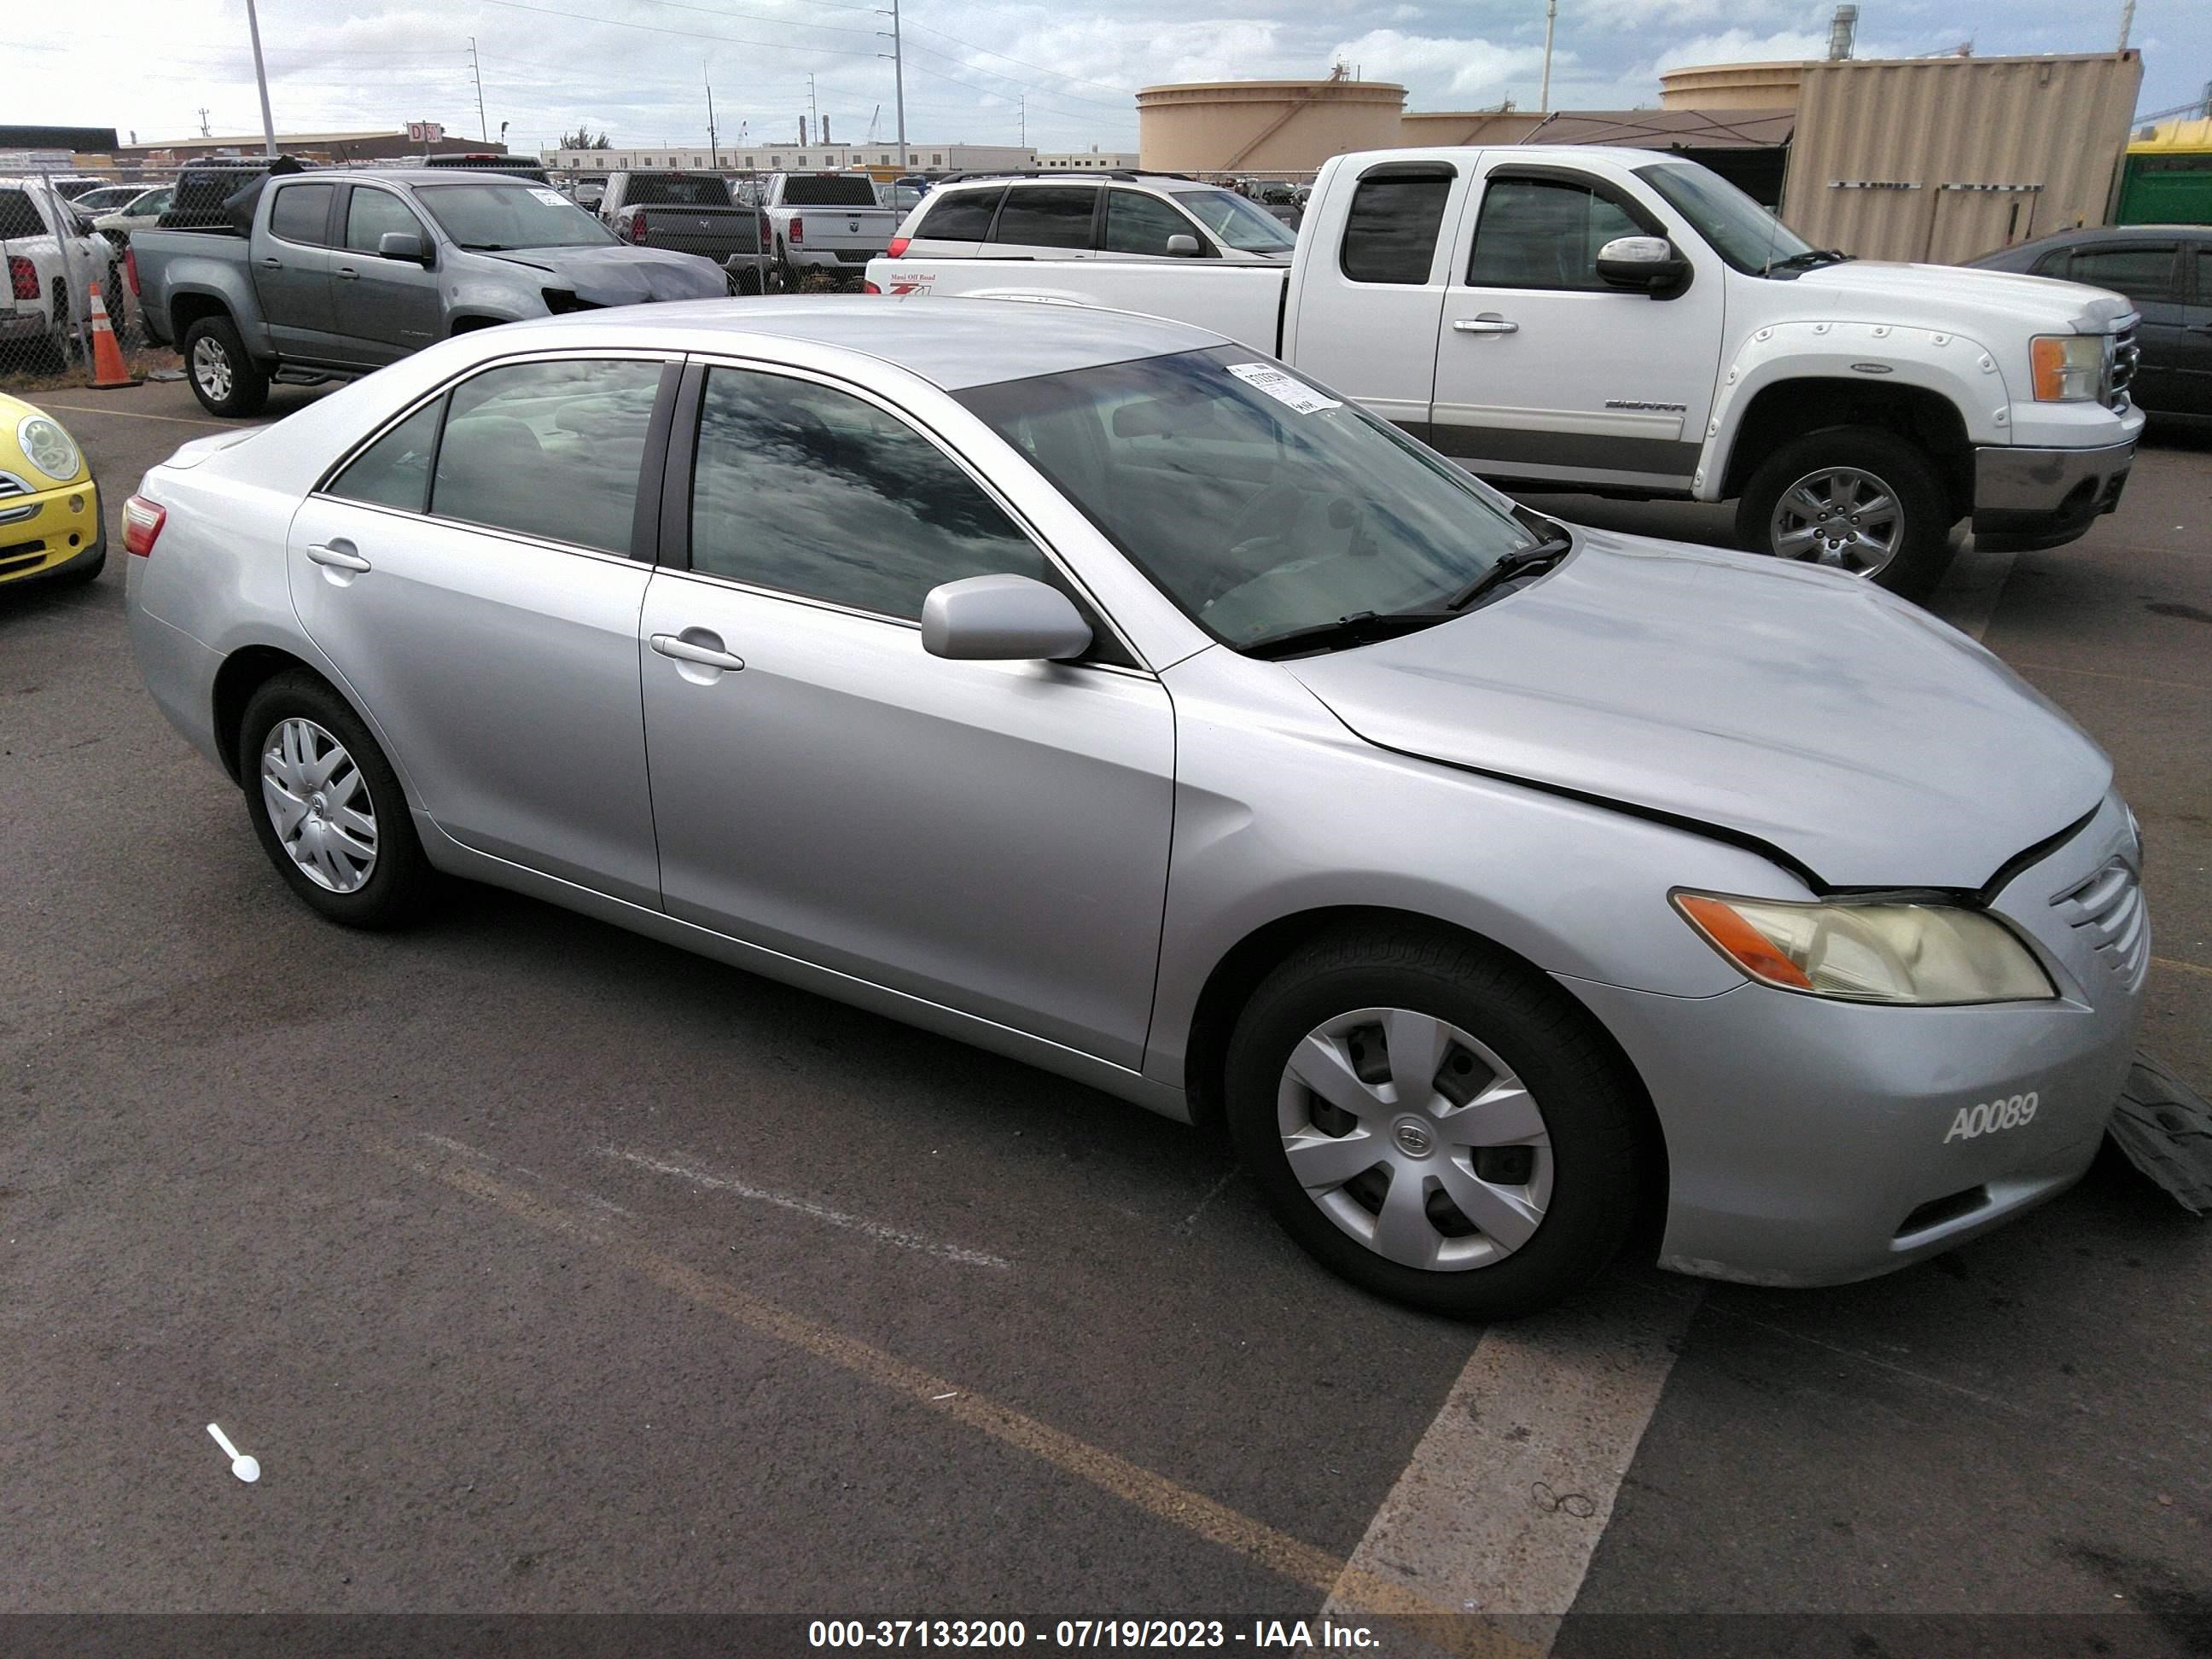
[[2026, 497], [1815, 1142], [40, 533]]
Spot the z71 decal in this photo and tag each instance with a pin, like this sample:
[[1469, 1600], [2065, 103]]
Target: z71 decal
[[1991, 1115]]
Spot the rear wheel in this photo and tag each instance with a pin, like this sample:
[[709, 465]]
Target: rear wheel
[[1432, 1121], [224, 379], [1854, 499]]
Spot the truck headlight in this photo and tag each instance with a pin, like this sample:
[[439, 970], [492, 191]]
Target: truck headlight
[[2069, 368], [47, 447], [1929, 954]]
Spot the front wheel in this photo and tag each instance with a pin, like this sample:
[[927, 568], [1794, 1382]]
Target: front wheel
[[1432, 1121], [1857, 500]]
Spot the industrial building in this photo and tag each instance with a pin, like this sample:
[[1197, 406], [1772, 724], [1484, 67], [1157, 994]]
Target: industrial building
[[792, 157], [387, 145]]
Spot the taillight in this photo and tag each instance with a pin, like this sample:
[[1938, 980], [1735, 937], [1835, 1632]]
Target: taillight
[[897, 249], [766, 233], [131, 269], [637, 228], [797, 229], [867, 287], [141, 522], [22, 277]]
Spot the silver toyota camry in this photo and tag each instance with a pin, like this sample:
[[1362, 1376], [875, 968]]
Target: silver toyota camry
[[1102, 693]]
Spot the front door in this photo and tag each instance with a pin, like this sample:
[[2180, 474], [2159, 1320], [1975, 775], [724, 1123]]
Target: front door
[[989, 836], [386, 308], [485, 619], [1546, 372]]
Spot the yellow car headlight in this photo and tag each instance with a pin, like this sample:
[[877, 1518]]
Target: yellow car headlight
[[47, 447], [1929, 954]]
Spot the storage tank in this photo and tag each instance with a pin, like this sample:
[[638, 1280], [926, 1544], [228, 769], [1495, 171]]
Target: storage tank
[[1264, 126], [1732, 86]]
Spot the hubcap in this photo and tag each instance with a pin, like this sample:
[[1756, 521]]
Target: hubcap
[[318, 804], [211, 368], [1841, 517], [1415, 1139]]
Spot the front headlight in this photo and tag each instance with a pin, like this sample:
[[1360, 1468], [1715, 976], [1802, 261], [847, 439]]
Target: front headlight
[[47, 447], [2069, 368], [1929, 954]]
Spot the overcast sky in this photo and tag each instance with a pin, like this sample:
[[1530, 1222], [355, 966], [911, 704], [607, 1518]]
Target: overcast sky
[[635, 67]]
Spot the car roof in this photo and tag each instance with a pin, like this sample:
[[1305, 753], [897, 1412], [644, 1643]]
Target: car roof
[[2118, 233], [951, 343]]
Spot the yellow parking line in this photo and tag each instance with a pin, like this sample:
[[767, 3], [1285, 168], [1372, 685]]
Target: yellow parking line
[[2185, 967], [2102, 674], [1154, 1494]]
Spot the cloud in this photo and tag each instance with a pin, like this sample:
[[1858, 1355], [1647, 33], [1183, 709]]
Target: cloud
[[1459, 68]]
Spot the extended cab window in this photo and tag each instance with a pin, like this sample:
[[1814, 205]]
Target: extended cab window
[[1390, 232], [549, 449], [961, 215], [301, 213], [1051, 217], [1543, 233], [815, 492], [2140, 270]]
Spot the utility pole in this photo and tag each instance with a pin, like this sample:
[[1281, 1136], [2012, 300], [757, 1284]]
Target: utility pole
[[261, 80], [1025, 120], [205, 132], [1551, 17], [898, 82], [813, 112], [483, 125], [714, 151]]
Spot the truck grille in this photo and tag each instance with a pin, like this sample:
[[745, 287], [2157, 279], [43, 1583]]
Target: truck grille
[[2109, 908], [2125, 355]]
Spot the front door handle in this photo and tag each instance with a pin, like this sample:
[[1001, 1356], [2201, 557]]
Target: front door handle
[[1488, 322], [707, 656], [347, 274], [272, 263], [337, 555]]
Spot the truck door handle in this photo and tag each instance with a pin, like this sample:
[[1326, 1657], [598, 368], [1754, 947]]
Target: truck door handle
[[339, 555], [348, 274], [270, 262], [1488, 322], [707, 656]]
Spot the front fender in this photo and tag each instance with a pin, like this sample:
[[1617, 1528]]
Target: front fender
[[1960, 369]]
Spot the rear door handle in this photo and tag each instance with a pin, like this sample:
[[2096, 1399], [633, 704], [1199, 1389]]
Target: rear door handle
[[272, 263], [707, 656], [1488, 322], [347, 273], [340, 555]]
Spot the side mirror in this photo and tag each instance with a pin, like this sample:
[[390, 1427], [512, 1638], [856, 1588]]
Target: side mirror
[[402, 245], [1002, 619], [1649, 263], [1182, 247]]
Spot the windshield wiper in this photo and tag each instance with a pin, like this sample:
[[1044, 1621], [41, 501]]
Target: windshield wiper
[[1366, 627], [1807, 260], [1521, 561]]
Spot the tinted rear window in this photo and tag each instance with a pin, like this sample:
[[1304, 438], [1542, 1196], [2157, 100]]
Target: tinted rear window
[[830, 189], [673, 189], [1052, 217], [961, 215], [1390, 234], [300, 213], [18, 217]]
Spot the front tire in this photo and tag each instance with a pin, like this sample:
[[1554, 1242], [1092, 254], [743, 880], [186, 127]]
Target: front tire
[[1431, 1121], [1854, 499], [224, 379], [327, 807]]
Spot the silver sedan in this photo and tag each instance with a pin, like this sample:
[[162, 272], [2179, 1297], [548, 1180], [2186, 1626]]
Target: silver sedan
[[1099, 692]]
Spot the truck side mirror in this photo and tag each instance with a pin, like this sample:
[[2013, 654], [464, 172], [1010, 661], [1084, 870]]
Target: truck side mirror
[[402, 245], [1647, 263], [1182, 247]]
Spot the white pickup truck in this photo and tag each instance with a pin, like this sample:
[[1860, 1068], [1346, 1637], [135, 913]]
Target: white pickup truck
[[1627, 323], [826, 222], [53, 258]]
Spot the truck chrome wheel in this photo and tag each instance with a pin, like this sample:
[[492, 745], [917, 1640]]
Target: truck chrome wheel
[[319, 805], [1415, 1139], [1839, 516], [211, 368]]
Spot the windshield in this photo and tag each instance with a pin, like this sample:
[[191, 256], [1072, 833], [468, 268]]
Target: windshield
[[1741, 232], [1237, 222], [490, 217], [1259, 504]]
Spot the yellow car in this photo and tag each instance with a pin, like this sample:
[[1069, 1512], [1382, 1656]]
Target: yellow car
[[50, 523]]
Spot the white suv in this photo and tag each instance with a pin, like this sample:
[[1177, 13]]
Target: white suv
[[1125, 214]]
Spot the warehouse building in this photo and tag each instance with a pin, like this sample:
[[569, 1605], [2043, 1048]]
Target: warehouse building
[[795, 157]]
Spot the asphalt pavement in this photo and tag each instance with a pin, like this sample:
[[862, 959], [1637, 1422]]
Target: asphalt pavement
[[547, 1269]]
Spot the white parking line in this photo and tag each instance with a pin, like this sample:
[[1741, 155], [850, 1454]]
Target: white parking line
[[880, 1232], [1509, 1491], [144, 414], [1967, 596]]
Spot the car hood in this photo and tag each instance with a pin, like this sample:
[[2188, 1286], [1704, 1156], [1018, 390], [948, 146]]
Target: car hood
[[1871, 743], [1942, 295], [625, 276]]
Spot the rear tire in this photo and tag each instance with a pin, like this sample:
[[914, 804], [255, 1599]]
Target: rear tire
[[327, 807], [1519, 1156], [1804, 504], [224, 379]]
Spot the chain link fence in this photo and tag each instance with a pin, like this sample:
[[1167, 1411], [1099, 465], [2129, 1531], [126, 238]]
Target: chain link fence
[[63, 234]]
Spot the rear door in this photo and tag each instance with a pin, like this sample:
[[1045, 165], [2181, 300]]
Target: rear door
[[385, 308], [1546, 372], [1045, 222], [291, 261]]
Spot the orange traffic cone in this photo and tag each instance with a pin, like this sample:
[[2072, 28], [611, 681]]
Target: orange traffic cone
[[108, 373]]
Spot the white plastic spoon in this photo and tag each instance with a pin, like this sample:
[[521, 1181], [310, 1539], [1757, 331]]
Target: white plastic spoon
[[241, 1465]]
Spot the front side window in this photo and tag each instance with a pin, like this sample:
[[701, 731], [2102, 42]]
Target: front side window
[[1390, 230], [371, 213], [1261, 507], [1545, 233], [551, 449], [491, 217], [2140, 271], [302, 214], [1741, 231], [961, 215], [812, 492], [1138, 223], [395, 469], [1051, 217], [1236, 222]]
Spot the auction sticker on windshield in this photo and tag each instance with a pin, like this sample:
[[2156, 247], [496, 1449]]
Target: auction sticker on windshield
[[551, 198], [1292, 394]]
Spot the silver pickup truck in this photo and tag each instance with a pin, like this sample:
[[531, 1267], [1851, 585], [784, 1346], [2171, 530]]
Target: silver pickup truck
[[311, 276]]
